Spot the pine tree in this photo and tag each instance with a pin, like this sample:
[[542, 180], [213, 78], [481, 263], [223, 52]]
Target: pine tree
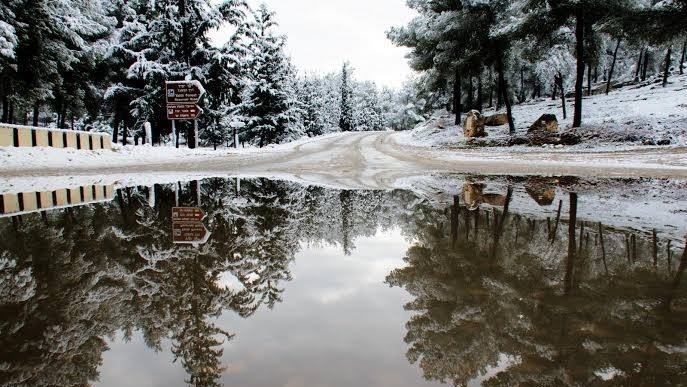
[[346, 120], [270, 108]]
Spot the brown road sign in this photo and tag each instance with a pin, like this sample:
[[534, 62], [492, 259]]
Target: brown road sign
[[190, 233], [183, 112], [184, 92], [187, 214]]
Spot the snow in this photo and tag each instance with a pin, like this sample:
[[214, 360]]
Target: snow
[[608, 373], [623, 118]]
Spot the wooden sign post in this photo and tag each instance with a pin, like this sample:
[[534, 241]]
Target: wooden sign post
[[182, 105]]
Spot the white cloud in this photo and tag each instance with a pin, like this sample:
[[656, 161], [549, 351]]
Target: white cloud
[[322, 34]]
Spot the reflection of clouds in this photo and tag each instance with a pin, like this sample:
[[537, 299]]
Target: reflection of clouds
[[339, 324], [346, 276]]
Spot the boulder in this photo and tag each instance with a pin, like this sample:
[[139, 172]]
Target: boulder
[[542, 190], [545, 123], [473, 125], [473, 196], [539, 138], [496, 119]]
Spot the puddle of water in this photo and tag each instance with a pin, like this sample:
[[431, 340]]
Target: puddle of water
[[459, 281]]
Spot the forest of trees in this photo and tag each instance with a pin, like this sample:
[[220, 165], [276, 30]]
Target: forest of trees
[[474, 54], [101, 65]]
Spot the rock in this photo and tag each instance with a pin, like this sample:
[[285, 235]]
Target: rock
[[473, 196], [665, 141], [496, 119], [545, 123], [473, 125], [542, 190], [545, 138]]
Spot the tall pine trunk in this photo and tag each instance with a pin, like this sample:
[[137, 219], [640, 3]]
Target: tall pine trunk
[[559, 80], [5, 108], [505, 95], [36, 111], [570, 260], [579, 36], [682, 58], [589, 79], [10, 116], [471, 94], [639, 64], [457, 97], [610, 72], [666, 70], [115, 126], [646, 64], [479, 92]]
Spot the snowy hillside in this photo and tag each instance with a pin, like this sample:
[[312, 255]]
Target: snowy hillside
[[634, 115]]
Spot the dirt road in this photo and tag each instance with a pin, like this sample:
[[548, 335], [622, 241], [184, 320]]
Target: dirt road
[[367, 159]]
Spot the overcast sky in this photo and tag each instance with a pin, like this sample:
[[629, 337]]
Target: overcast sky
[[322, 34]]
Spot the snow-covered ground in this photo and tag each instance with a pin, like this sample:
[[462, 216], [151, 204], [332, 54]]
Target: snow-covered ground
[[627, 117]]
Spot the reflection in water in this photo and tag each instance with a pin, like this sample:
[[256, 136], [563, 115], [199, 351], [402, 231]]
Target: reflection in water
[[487, 289], [498, 296]]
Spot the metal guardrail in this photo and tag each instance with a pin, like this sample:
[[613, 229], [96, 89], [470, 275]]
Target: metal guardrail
[[31, 136]]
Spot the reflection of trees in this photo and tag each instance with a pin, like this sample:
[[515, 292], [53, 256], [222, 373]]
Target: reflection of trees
[[75, 279], [95, 270], [485, 282], [471, 306]]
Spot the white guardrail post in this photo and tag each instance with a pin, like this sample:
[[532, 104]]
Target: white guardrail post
[[30, 136]]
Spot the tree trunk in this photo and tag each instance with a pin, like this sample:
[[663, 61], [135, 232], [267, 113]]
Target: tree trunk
[[560, 86], [589, 79], [63, 117], [596, 74], [570, 261], [124, 134], [115, 126], [491, 87], [479, 92], [682, 58], [10, 117], [457, 98], [535, 90], [506, 97], [5, 109], [471, 94], [646, 64], [499, 96], [36, 111], [610, 72], [667, 67], [579, 36], [554, 93], [639, 64], [523, 96]]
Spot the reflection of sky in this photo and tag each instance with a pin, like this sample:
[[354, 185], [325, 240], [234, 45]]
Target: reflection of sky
[[339, 325]]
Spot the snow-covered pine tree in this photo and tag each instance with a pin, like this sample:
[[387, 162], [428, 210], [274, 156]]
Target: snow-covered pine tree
[[8, 47], [270, 106], [347, 118], [312, 99], [368, 111], [228, 72]]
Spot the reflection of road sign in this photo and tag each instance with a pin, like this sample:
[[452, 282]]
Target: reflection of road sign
[[183, 112], [184, 92], [187, 214], [190, 233]]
